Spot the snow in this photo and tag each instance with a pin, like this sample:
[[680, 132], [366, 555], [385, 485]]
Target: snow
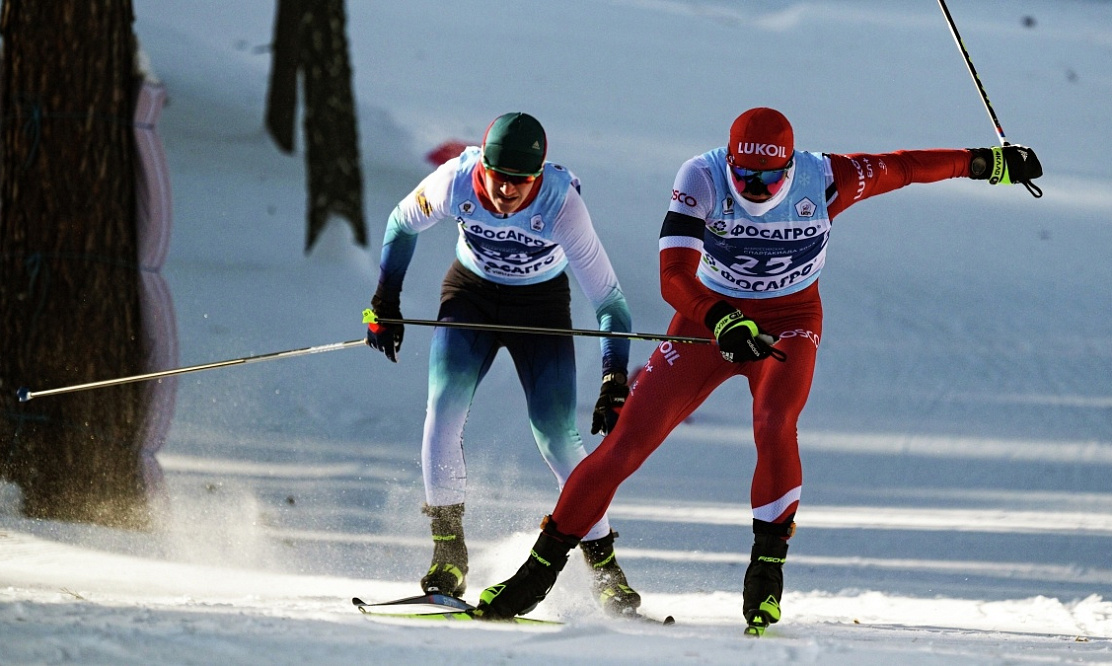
[[958, 440]]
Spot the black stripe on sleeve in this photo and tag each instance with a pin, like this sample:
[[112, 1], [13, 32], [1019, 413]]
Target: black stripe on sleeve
[[678, 224]]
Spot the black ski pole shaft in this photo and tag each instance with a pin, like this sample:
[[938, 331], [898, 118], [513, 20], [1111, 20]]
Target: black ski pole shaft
[[26, 394], [540, 330], [973, 73], [1031, 187]]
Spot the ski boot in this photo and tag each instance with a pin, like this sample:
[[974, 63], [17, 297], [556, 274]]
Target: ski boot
[[764, 583], [448, 571], [533, 581], [608, 581]]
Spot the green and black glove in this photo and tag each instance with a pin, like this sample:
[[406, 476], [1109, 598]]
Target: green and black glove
[[387, 338], [611, 399], [739, 338], [1004, 165]]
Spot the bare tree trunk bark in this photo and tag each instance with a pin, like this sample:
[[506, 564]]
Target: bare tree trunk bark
[[317, 30], [69, 295], [281, 101]]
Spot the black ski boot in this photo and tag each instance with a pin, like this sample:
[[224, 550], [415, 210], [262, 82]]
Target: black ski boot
[[533, 581], [608, 581], [448, 571], [764, 583]]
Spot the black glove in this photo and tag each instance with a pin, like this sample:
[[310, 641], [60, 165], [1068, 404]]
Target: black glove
[[387, 338], [739, 338], [1004, 165], [610, 401]]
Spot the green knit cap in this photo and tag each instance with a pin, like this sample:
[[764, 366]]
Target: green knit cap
[[515, 144]]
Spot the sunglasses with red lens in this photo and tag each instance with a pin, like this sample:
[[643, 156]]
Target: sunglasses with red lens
[[513, 179], [765, 176]]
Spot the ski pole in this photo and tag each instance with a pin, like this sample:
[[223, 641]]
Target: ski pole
[[1031, 187], [369, 317], [26, 394], [973, 73]]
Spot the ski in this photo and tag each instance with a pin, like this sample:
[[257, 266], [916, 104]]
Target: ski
[[435, 606], [431, 606], [431, 602], [457, 616]]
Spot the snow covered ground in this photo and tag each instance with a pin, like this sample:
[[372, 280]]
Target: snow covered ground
[[957, 445]]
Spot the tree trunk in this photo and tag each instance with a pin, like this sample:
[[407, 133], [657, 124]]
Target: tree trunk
[[317, 30], [281, 100], [69, 295]]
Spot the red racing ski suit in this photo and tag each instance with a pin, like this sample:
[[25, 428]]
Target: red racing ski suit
[[679, 377]]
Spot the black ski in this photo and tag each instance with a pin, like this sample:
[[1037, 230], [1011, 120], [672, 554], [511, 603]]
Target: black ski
[[432, 602], [435, 606]]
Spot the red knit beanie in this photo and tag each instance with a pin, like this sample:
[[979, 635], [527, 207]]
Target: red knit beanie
[[761, 139]]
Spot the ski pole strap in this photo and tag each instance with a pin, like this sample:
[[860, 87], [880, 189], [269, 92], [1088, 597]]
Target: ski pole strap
[[736, 318]]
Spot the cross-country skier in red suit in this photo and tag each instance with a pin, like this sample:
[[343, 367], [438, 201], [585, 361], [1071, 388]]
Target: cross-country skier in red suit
[[741, 249]]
